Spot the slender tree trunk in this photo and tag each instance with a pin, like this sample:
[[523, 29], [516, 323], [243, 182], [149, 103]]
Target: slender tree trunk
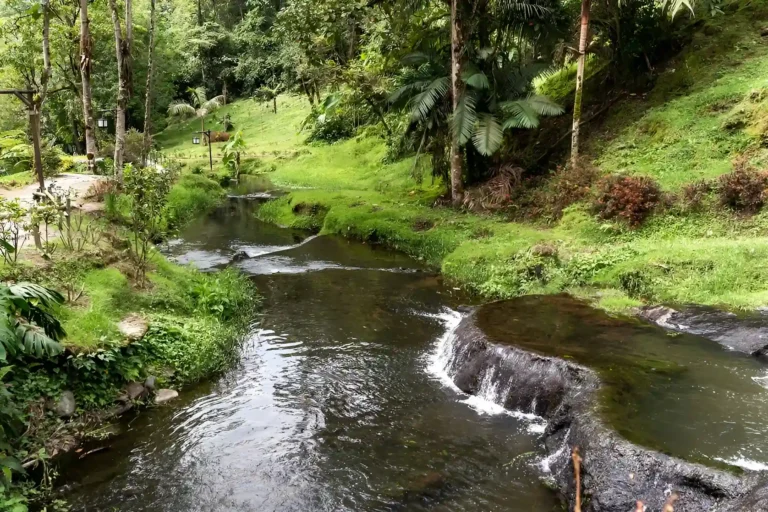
[[224, 92], [85, 75], [122, 91], [274, 104], [199, 13], [457, 89], [583, 36], [35, 101], [308, 93], [150, 71]]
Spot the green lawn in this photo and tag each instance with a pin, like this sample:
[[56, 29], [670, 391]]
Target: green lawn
[[698, 119]]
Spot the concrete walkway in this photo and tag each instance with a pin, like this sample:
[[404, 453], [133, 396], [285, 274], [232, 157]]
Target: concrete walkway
[[79, 183]]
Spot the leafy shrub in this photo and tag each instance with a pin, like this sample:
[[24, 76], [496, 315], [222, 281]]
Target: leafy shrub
[[191, 197], [743, 189], [331, 128], [134, 146], [629, 198]]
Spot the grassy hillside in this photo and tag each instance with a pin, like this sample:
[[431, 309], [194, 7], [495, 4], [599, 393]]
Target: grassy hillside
[[709, 106], [706, 110]]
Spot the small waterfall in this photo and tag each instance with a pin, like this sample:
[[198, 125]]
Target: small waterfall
[[494, 382]]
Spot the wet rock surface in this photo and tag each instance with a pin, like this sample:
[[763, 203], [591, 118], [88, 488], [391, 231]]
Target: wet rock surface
[[745, 332], [615, 472]]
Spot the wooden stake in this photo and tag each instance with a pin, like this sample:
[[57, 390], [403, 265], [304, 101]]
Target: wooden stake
[[669, 505], [577, 473]]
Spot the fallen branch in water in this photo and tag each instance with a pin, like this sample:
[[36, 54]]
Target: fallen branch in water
[[577, 472], [669, 505]]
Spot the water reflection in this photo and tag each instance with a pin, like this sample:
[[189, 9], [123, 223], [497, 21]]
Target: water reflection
[[331, 408]]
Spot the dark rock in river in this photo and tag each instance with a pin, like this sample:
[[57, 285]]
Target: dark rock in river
[[615, 472], [746, 332], [239, 256]]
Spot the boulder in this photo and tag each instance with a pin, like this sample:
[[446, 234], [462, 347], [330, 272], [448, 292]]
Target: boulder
[[133, 327], [164, 395], [150, 383], [135, 391], [240, 256], [66, 405]]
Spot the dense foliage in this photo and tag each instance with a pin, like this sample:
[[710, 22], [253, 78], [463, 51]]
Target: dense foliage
[[371, 64]]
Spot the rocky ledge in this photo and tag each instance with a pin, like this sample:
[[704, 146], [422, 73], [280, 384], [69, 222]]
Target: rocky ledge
[[615, 473], [744, 332]]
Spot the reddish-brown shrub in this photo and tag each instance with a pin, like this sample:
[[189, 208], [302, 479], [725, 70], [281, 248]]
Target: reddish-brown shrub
[[629, 198], [743, 189], [695, 193], [220, 136]]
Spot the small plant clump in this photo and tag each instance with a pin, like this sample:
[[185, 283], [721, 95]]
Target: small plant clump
[[629, 198], [743, 190]]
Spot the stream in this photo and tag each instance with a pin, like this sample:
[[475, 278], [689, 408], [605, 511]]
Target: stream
[[340, 402]]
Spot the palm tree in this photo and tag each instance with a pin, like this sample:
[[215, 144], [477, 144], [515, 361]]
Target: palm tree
[[200, 106], [486, 107], [27, 323]]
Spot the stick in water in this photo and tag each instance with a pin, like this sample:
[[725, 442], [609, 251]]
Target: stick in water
[[577, 472], [669, 505]]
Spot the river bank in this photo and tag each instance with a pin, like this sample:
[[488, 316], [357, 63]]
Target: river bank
[[129, 342]]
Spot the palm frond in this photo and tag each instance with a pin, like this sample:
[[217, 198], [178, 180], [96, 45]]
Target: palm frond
[[676, 6], [416, 59], [488, 134], [423, 103], [181, 109], [199, 95], [408, 90], [528, 9], [464, 118], [213, 103], [31, 291], [544, 106], [476, 79], [522, 114]]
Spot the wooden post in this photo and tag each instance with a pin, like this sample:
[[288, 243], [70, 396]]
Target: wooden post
[[210, 151]]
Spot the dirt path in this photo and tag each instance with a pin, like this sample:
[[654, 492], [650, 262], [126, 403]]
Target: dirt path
[[79, 183]]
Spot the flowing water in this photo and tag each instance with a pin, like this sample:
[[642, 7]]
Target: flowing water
[[340, 401], [333, 406]]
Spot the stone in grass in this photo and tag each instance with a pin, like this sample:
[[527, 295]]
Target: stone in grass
[[65, 406], [133, 327], [164, 395]]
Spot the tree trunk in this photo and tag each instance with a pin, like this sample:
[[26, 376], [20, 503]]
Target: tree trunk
[[274, 104], [199, 13], [224, 92], [35, 101], [579, 81], [308, 93], [122, 92], [85, 75], [457, 89], [150, 71]]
